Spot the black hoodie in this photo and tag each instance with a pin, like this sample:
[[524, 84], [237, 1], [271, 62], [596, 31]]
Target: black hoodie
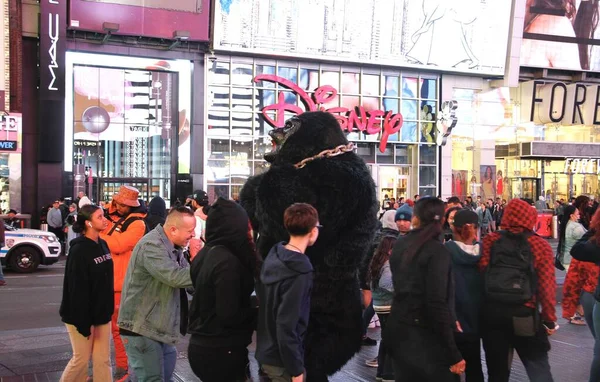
[[221, 313], [88, 292], [157, 213], [286, 281]]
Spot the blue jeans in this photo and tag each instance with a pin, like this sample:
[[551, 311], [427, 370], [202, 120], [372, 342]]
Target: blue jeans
[[1, 274], [152, 361], [587, 300], [595, 370]]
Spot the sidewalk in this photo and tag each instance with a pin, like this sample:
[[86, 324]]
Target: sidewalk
[[42, 354]]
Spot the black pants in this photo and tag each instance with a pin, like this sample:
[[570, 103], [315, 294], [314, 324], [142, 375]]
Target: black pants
[[212, 364], [417, 354], [385, 368], [470, 348], [502, 334], [60, 234]]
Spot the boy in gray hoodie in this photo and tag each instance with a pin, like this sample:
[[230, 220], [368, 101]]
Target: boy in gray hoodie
[[285, 284]]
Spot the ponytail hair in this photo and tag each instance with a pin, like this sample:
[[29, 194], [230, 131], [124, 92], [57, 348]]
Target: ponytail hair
[[84, 215], [430, 212]]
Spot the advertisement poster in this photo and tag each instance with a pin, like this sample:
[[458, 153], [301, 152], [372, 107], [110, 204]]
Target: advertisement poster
[[149, 18], [488, 182], [459, 183], [561, 34], [131, 105], [173, 5], [468, 36]]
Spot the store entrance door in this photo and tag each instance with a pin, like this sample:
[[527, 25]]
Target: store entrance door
[[393, 182], [107, 187]]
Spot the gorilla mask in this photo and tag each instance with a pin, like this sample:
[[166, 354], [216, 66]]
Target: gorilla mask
[[280, 136]]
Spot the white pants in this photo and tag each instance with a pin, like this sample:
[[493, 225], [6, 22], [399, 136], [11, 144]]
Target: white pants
[[97, 347]]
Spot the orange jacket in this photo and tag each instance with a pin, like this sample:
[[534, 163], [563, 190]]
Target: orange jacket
[[121, 244]]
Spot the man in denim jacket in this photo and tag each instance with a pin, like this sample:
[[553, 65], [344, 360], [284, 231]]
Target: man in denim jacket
[[153, 295]]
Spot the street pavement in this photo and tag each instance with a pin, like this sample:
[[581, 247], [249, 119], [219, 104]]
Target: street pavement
[[34, 345]]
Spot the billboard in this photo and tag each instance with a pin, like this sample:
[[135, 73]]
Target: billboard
[[150, 18], [561, 34], [469, 36]]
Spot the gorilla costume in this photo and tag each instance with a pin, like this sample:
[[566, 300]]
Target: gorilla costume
[[341, 189]]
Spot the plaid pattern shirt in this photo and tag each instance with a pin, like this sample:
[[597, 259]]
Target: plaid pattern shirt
[[581, 276], [519, 217]]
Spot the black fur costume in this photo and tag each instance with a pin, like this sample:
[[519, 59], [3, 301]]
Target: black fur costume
[[343, 192]]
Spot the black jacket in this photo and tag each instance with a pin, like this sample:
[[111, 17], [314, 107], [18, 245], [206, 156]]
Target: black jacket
[[284, 294], [221, 313], [88, 289], [424, 292], [157, 213], [468, 283]]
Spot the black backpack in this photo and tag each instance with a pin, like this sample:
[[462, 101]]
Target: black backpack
[[510, 277]]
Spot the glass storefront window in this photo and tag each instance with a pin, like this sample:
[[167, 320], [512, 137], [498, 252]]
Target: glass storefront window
[[242, 110], [427, 154], [123, 130]]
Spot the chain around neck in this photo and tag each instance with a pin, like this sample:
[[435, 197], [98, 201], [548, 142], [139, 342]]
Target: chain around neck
[[338, 150]]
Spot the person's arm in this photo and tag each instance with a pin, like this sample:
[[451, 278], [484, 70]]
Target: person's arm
[[543, 262], [79, 292], [586, 250], [437, 304], [120, 243], [162, 267], [294, 293], [228, 289]]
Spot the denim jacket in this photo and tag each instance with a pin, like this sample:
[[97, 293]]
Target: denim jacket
[[150, 300]]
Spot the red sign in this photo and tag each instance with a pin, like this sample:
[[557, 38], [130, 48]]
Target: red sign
[[368, 121]]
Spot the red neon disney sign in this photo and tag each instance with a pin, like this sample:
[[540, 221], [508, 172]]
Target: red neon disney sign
[[370, 122]]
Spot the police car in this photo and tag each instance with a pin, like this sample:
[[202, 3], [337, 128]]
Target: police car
[[25, 249]]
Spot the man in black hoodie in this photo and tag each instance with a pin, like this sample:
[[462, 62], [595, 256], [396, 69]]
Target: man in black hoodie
[[286, 282]]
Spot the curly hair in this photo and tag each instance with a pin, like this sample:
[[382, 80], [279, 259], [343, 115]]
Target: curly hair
[[595, 227], [382, 254]]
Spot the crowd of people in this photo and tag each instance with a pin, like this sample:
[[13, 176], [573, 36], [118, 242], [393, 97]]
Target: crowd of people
[[440, 284]]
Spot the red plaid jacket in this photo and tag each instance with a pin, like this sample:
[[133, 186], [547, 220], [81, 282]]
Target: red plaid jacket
[[581, 276], [518, 217]]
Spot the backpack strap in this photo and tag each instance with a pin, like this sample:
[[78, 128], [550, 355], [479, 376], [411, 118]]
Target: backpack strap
[[124, 223]]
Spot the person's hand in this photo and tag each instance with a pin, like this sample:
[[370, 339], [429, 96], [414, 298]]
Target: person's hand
[[299, 378], [551, 327], [458, 368], [458, 327]]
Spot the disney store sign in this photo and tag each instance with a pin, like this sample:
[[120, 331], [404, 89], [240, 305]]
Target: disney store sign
[[357, 118]]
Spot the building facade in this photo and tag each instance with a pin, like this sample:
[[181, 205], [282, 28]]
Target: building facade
[[537, 134], [382, 81]]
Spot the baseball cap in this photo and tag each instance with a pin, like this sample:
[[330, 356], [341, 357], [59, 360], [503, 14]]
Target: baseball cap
[[201, 197], [465, 216]]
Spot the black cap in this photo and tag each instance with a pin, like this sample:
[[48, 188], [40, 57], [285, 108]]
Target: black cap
[[465, 216], [200, 197]]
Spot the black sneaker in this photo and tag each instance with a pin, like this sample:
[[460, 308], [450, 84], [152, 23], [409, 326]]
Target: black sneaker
[[367, 341]]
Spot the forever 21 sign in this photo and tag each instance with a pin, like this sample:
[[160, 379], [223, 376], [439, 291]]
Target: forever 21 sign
[[52, 48]]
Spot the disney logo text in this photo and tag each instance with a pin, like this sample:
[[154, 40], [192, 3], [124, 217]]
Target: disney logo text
[[367, 121]]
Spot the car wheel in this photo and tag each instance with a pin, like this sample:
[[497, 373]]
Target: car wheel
[[24, 259]]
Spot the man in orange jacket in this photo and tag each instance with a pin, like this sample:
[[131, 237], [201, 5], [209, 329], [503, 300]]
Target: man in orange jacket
[[126, 227]]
